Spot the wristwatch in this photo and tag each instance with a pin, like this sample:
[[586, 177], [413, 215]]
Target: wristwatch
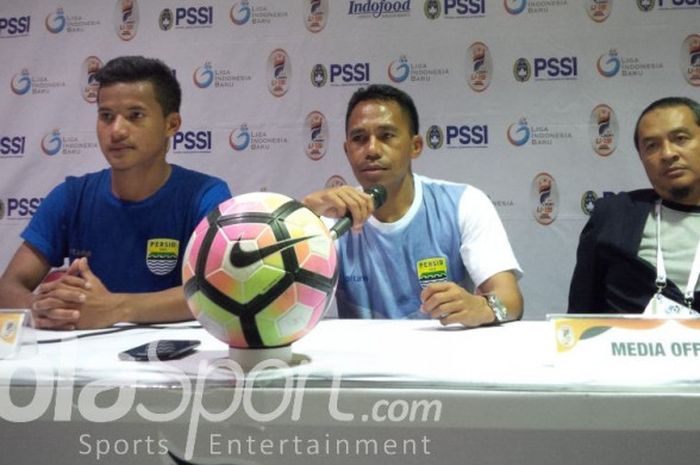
[[500, 312]]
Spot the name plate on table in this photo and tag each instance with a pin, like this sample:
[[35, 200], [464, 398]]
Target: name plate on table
[[627, 338], [13, 326]]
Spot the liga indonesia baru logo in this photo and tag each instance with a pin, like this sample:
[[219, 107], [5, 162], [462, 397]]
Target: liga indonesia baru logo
[[239, 139], [52, 143], [609, 64], [55, 22], [241, 13], [203, 76], [519, 133], [399, 70], [21, 83], [515, 7]]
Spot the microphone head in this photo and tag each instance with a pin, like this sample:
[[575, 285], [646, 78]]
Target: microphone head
[[378, 193]]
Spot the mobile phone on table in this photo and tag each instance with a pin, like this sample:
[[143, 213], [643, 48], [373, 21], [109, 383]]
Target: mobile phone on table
[[162, 349]]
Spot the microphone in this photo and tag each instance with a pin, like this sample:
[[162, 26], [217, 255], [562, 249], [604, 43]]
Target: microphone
[[378, 193]]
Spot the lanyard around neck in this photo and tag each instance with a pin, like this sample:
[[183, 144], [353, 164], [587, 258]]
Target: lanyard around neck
[[661, 277]]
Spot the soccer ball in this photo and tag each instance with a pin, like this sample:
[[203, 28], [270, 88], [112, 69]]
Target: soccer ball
[[259, 271]]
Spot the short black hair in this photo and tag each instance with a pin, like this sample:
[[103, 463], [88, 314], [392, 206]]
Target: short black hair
[[668, 102], [127, 69], [384, 92]]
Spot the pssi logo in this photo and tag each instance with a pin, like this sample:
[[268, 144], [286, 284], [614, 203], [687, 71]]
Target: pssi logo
[[518, 134], [186, 17], [319, 75], [458, 136], [609, 64], [399, 70], [52, 143], [465, 7], [241, 13], [239, 139], [551, 68], [349, 72], [15, 26], [12, 145], [434, 137], [432, 9], [192, 142], [22, 207], [55, 22]]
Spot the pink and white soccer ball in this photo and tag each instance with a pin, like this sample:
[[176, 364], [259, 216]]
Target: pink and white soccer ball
[[260, 271]]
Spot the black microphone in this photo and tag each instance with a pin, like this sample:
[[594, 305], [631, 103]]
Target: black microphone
[[378, 193]]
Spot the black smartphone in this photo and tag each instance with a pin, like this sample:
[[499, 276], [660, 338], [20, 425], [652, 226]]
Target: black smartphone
[[163, 349]]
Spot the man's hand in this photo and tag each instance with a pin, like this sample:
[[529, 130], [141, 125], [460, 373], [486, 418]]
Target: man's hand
[[451, 303], [57, 303], [100, 307], [336, 202]]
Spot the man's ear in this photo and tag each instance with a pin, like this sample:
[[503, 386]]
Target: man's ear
[[417, 146], [172, 123]]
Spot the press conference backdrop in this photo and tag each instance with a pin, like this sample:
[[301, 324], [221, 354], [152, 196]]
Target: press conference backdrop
[[532, 101]]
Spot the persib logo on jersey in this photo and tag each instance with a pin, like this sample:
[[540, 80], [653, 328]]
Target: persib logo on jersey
[[341, 74], [186, 18], [546, 69], [458, 136], [162, 255], [192, 142], [12, 146], [14, 26], [431, 270]]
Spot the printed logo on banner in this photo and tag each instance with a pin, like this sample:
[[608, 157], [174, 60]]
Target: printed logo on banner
[[319, 75], [162, 255], [54, 143], [479, 67], [519, 134], [316, 130], [21, 83], [2, 209], [242, 13], [341, 74], [279, 72], [335, 181], [516, 7], [598, 10], [603, 130], [432, 9], [400, 70], [434, 137], [522, 71], [465, 8], [462, 136], [192, 142], [646, 5], [611, 64], [58, 21], [243, 138], [544, 197], [379, 8], [588, 202], [316, 15], [193, 17], [690, 59], [20, 208], [546, 69], [207, 76], [88, 84], [12, 146], [24, 82], [126, 19], [14, 26]]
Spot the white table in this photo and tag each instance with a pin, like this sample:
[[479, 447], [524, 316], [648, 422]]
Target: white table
[[404, 392]]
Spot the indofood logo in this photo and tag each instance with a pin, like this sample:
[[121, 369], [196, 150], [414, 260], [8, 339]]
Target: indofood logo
[[126, 19], [522, 71], [521, 133], [243, 138], [516, 7], [598, 10], [58, 21], [603, 129], [319, 75], [89, 85], [434, 137], [335, 181], [379, 8], [52, 143], [544, 198], [479, 67], [690, 59], [207, 76], [432, 9], [242, 13], [400, 70], [24, 82], [55, 143], [316, 129], [518, 134], [316, 15], [612, 64], [279, 72], [21, 83]]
